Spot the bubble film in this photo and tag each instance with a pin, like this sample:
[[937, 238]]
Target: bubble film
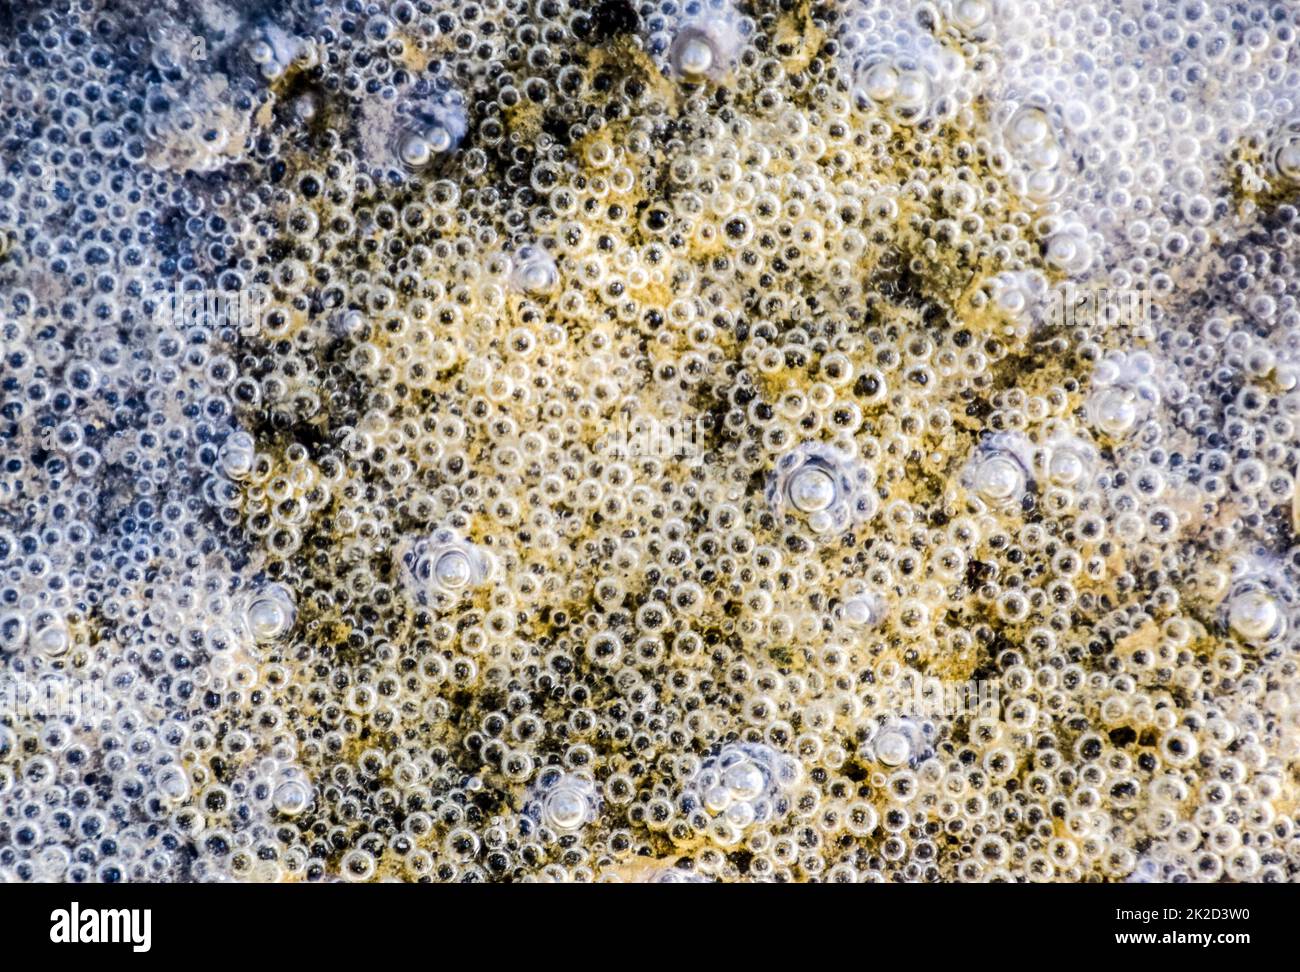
[[664, 441]]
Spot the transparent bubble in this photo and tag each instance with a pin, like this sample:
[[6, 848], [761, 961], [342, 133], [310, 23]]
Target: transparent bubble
[[978, 19], [900, 742], [1069, 249], [1256, 610], [907, 74], [273, 50], [1018, 293], [13, 630], [270, 613], [430, 129], [237, 455], [862, 607], [50, 637], [1124, 395], [292, 793], [173, 783], [706, 44], [534, 271], [823, 487], [444, 566], [1069, 460], [999, 470], [1285, 151], [744, 784], [562, 802]]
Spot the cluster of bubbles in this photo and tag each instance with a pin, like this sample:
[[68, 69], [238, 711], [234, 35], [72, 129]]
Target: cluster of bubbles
[[562, 802], [432, 126], [901, 68], [1125, 394], [368, 599], [743, 785]]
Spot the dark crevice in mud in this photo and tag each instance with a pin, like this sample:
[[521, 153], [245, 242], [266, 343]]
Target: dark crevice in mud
[[607, 20]]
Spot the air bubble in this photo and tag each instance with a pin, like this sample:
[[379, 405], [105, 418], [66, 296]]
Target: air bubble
[[270, 614], [744, 784], [999, 470], [534, 271], [444, 566], [822, 486], [1255, 612], [1124, 395], [900, 742], [706, 45], [563, 802], [237, 455], [292, 793]]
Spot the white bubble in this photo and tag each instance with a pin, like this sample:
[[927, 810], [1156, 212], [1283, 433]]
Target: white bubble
[[534, 270], [443, 566], [562, 802], [1124, 394], [174, 784], [237, 455], [900, 742], [292, 794], [1285, 150], [1256, 614], [270, 613], [744, 784], [998, 470], [863, 608], [826, 488], [1069, 460], [50, 637], [706, 45], [811, 490], [893, 748]]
